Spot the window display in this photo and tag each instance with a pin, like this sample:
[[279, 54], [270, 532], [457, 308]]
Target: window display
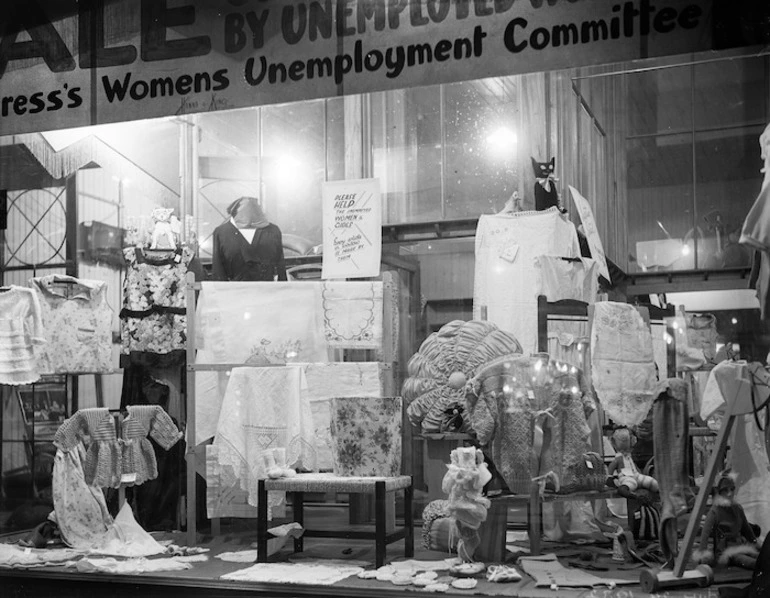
[[536, 373]]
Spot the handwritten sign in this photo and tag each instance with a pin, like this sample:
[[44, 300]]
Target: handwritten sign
[[352, 224], [591, 232]]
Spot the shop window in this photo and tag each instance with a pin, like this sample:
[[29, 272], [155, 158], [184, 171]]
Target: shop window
[[693, 162]]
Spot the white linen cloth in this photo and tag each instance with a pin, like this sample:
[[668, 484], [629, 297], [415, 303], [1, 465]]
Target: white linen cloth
[[505, 270], [622, 362], [19, 557], [264, 408], [575, 278], [324, 381], [316, 574], [287, 321]]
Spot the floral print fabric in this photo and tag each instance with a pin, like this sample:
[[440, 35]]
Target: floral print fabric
[[153, 316], [21, 329], [77, 322], [81, 511], [366, 436]]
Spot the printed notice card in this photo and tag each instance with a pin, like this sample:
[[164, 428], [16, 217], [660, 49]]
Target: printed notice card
[[352, 228]]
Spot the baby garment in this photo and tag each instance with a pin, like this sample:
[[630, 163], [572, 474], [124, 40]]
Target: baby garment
[[81, 511], [153, 317], [102, 465], [77, 322], [263, 408], [514, 401], [547, 571], [110, 459], [143, 422], [21, 330], [505, 271], [573, 278], [622, 362]]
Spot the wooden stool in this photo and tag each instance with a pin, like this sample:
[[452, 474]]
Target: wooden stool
[[380, 487]]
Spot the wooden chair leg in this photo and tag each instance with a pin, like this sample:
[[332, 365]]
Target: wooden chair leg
[[408, 522], [261, 522], [380, 517]]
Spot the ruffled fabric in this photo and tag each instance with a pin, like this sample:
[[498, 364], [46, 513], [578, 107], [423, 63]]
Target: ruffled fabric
[[466, 475], [445, 360]]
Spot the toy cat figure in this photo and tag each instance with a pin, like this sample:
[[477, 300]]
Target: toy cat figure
[[546, 195]]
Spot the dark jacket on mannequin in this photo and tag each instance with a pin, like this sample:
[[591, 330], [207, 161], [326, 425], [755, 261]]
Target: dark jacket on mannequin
[[234, 258]]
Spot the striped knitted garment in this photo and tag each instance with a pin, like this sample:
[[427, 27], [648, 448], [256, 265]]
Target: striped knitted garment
[[108, 457]]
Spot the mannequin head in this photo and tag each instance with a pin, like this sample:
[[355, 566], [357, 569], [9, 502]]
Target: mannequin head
[[247, 212]]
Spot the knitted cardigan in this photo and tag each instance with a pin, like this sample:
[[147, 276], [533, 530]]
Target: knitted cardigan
[[109, 458]]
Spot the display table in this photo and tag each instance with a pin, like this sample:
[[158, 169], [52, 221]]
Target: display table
[[383, 489]]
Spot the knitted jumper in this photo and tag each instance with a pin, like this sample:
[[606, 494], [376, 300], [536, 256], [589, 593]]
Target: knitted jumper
[[108, 457], [532, 411]]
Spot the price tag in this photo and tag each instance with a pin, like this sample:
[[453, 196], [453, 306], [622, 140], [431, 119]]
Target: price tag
[[128, 478], [589, 465]]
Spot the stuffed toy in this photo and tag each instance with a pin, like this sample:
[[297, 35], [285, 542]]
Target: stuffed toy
[[734, 541], [166, 229], [623, 472], [546, 195]]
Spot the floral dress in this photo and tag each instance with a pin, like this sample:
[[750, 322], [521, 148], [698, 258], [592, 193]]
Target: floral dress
[[77, 321], [153, 317]]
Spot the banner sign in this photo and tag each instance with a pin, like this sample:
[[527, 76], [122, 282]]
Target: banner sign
[[68, 63], [591, 232], [352, 228]]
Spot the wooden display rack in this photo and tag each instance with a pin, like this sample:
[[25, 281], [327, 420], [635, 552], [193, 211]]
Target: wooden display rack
[[195, 455]]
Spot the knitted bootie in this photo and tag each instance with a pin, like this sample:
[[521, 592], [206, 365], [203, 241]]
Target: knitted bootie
[[271, 467]]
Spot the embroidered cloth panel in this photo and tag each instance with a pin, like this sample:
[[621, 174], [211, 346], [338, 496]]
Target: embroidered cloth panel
[[237, 322], [622, 362]]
